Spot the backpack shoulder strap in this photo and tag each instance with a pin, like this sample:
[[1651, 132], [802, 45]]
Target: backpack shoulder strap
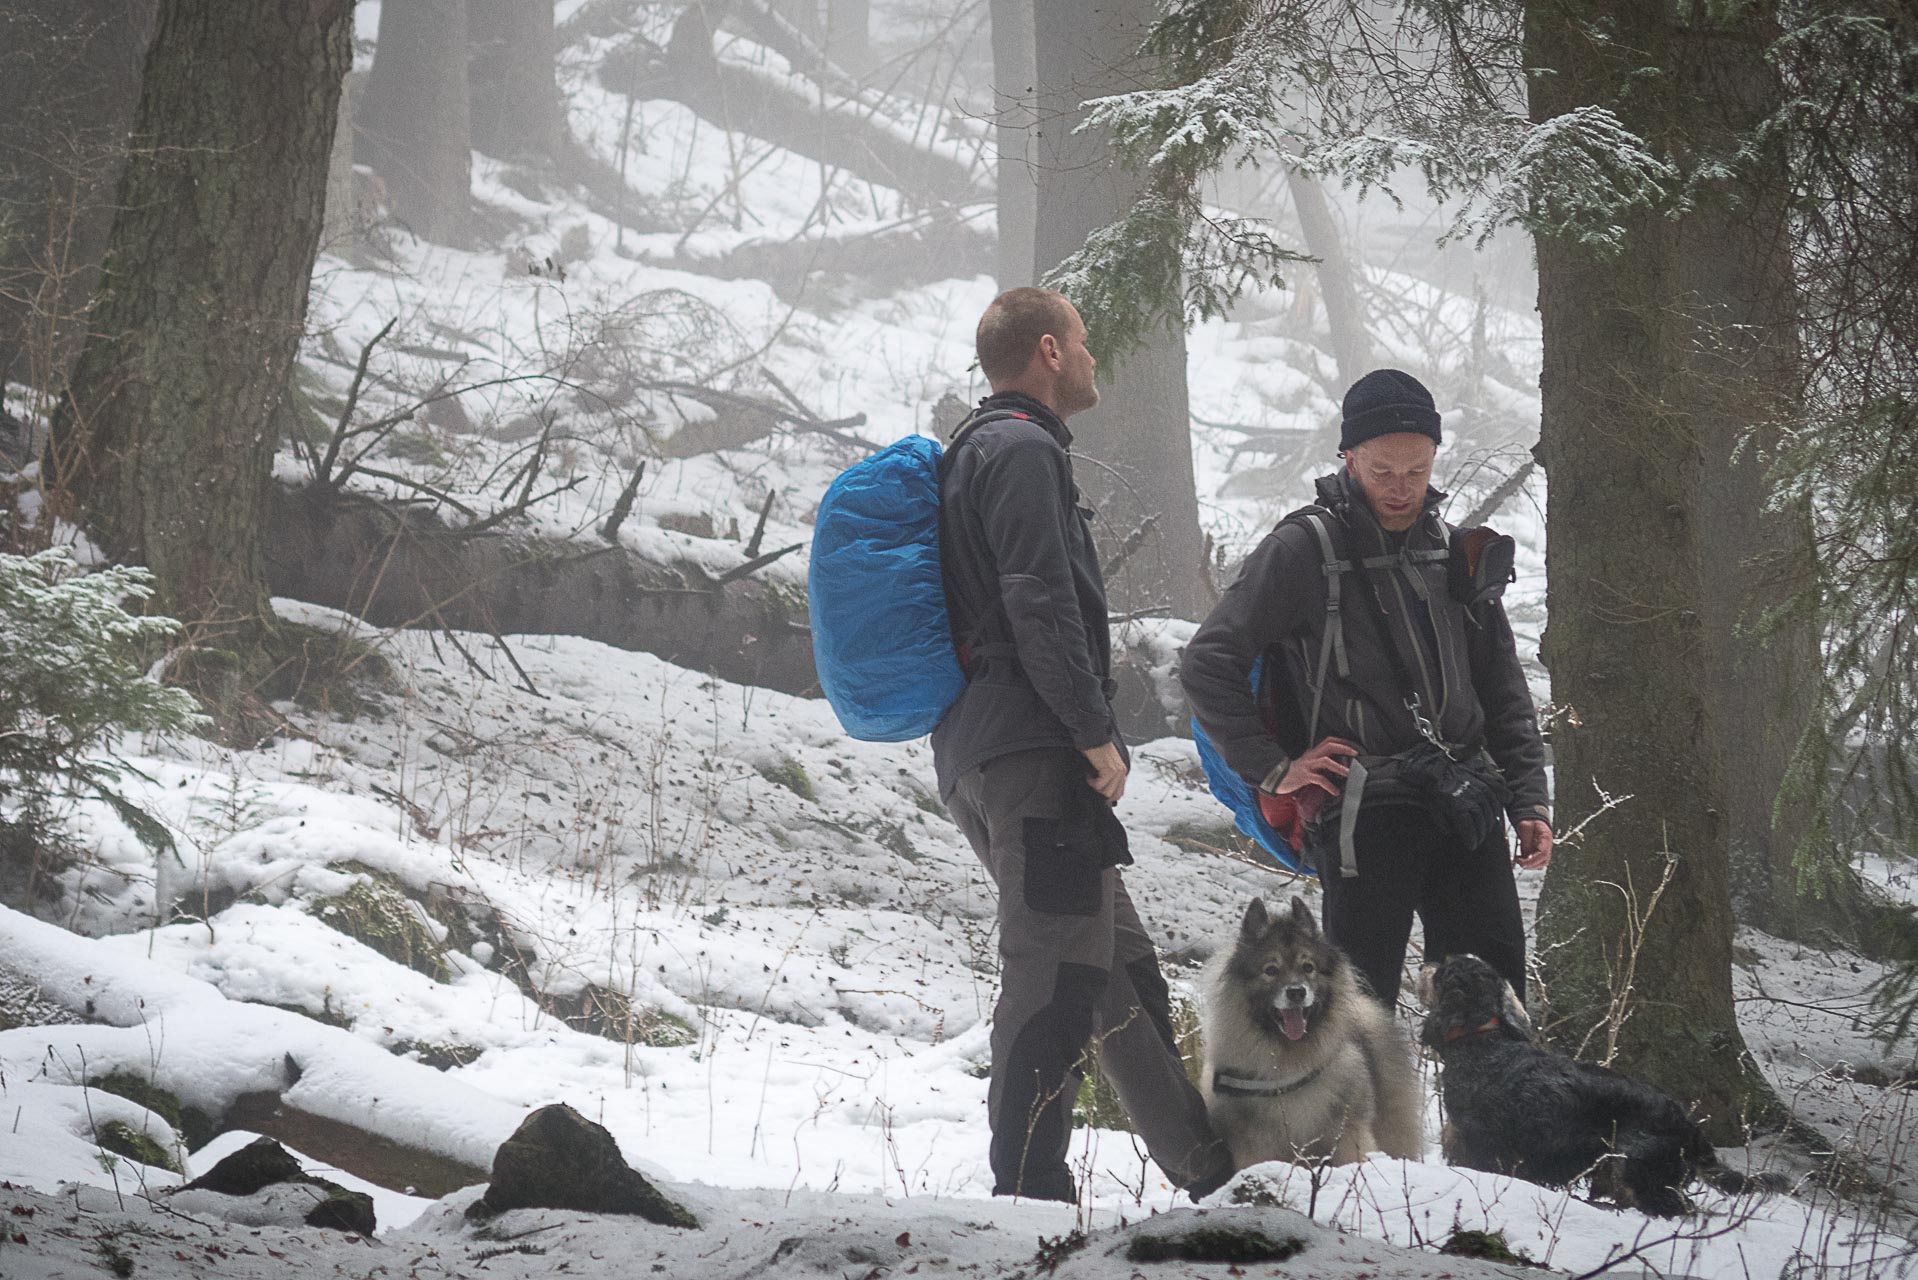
[[1332, 645], [972, 422]]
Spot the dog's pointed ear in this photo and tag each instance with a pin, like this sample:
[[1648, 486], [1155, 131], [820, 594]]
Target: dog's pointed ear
[[1256, 921], [1302, 918]]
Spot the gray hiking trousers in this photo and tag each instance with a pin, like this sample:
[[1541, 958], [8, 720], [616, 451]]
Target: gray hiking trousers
[[1076, 969]]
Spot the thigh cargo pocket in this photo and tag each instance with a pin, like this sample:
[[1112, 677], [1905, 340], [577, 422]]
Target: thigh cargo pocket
[[1066, 858], [1065, 871]]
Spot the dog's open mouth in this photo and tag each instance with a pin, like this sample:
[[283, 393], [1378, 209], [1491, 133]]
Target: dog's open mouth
[[1292, 1022]]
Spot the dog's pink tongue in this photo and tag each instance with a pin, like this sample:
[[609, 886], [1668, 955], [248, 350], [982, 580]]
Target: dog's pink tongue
[[1292, 1022]]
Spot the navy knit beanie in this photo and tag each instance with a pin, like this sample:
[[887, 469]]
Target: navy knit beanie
[[1385, 401]]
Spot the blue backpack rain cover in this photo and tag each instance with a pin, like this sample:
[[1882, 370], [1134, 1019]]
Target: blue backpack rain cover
[[881, 637], [1240, 796]]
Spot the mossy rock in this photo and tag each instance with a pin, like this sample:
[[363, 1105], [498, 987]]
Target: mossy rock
[[1231, 1245], [416, 447], [792, 775], [341, 1210], [1490, 1245], [439, 1055], [138, 1089], [558, 1159], [1215, 837], [374, 911], [602, 1011], [123, 1140], [254, 1167], [264, 1163]]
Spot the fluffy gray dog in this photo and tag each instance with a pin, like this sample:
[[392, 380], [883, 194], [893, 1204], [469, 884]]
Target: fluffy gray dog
[[1301, 1063]]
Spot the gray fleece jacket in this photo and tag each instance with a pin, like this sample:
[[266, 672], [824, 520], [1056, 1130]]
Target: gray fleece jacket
[[1027, 600], [1464, 661]]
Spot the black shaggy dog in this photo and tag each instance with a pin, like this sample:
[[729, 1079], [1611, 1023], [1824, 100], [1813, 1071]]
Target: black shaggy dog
[[1514, 1107]]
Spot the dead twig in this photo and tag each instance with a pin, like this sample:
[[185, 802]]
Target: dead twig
[[754, 565], [623, 505], [759, 529]]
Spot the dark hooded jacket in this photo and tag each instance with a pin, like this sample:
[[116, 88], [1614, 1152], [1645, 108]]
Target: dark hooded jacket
[[1463, 661], [1027, 600]]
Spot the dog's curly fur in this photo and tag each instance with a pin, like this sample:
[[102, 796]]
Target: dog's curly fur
[[1515, 1107], [1330, 1073]]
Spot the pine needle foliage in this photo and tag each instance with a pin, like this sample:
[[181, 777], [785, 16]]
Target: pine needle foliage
[[1367, 95], [68, 654], [1849, 124]]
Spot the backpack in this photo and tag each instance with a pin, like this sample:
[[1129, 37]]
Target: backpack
[[881, 636], [1479, 564]]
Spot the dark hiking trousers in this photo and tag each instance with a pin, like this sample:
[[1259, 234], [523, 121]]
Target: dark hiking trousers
[[1076, 969], [1467, 899]]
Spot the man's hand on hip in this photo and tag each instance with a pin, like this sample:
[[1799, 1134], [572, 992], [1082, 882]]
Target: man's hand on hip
[[1534, 844], [1108, 771], [1324, 767]]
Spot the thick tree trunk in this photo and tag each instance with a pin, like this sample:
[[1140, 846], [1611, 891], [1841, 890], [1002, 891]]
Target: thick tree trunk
[[1344, 314], [340, 228], [69, 86], [163, 444], [516, 111], [849, 34], [1737, 271], [1136, 447], [1013, 80], [413, 126], [1645, 524]]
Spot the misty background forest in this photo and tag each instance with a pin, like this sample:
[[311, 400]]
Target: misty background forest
[[414, 416]]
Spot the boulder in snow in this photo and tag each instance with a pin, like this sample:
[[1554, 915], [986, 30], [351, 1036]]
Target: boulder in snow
[[558, 1159]]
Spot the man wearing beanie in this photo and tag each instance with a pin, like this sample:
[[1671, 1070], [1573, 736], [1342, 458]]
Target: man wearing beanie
[[1389, 688]]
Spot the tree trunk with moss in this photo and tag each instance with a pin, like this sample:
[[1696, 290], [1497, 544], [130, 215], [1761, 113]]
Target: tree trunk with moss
[[1656, 362], [163, 445], [69, 85], [413, 127], [1137, 445]]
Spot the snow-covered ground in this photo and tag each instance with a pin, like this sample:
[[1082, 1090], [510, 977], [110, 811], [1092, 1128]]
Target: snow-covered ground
[[756, 951], [830, 959]]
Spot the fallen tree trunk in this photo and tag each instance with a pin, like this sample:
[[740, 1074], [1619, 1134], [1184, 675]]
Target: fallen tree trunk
[[843, 134], [397, 565]]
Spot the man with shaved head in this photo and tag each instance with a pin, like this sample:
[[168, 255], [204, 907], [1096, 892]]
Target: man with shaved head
[[1031, 764]]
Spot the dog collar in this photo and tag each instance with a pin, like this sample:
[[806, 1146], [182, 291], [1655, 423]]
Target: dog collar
[[1235, 1084], [1460, 1031]]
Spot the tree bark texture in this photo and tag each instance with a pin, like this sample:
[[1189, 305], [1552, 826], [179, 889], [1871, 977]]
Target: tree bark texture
[[1656, 362], [340, 228], [1136, 447], [164, 444], [69, 86], [413, 126], [515, 105], [1013, 85]]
